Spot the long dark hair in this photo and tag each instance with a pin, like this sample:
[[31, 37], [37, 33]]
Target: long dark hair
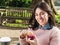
[[44, 6]]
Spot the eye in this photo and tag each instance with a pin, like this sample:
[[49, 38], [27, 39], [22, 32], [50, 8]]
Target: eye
[[42, 13]]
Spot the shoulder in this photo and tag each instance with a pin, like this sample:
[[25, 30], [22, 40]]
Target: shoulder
[[55, 31], [55, 36]]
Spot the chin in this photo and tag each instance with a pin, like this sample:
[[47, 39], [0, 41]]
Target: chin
[[41, 24]]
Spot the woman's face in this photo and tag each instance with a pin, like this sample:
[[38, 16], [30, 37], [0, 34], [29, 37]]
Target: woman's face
[[41, 16]]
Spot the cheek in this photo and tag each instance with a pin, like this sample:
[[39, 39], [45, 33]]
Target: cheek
[[46, 18], [36, 17]]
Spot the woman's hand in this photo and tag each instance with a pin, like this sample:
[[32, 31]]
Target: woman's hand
[[31, 42]]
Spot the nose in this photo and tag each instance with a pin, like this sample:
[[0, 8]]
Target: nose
[[40, 16]]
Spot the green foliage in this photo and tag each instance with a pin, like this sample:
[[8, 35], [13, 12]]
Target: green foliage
[[57, 17], [16, 25], [18, 21], [25, 14], [16, 3]]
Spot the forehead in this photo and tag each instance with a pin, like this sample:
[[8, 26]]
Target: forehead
[[38, 10]]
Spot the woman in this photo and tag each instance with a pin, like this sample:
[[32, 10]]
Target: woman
[[42, 24]]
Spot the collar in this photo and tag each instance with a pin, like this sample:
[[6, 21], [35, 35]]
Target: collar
[[46, 27]]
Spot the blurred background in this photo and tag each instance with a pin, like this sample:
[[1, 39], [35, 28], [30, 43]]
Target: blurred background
[[15, 15]]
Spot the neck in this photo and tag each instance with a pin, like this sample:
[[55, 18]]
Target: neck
[[44, 25]]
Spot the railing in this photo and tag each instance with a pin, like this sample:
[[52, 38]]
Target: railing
[[16, 17]]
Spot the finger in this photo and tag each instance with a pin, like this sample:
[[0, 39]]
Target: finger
[[29, 40], [26, 38]]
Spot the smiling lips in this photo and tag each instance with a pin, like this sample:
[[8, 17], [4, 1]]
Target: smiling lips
[[41, 20]]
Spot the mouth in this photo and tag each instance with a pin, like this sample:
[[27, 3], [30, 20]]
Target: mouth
[[41, 20]]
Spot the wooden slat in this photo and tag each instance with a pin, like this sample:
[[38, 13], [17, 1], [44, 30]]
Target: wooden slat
[[12, 17]]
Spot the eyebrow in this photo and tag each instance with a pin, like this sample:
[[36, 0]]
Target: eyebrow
[[40, 12]]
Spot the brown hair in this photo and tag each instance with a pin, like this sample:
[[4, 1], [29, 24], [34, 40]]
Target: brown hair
[[44, 6]]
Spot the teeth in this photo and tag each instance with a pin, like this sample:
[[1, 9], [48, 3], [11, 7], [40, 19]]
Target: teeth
[[41, 20]]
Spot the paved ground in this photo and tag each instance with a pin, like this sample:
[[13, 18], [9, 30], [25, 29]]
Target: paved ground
[[9, 33], [12, 33]]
